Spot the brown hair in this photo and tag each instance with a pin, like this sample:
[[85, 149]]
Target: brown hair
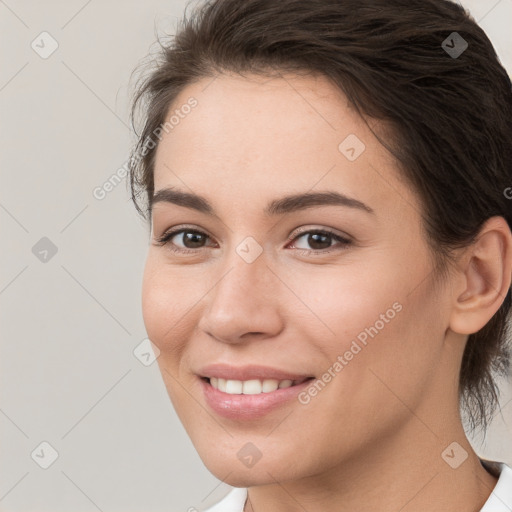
[[451, 115]]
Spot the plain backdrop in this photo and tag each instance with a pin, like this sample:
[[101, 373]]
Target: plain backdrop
[[71, 268]]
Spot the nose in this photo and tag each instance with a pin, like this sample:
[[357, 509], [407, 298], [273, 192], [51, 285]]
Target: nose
[[244, 304]]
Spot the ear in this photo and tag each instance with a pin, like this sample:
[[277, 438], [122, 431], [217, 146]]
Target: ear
[[483, 277]]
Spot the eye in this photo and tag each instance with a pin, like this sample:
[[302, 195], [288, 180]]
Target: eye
[[191, 238], [320, 240]]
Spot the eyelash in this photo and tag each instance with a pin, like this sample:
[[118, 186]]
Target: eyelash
[[168, 235]]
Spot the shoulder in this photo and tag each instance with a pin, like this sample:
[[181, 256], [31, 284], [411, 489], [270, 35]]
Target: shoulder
[[233, 502]]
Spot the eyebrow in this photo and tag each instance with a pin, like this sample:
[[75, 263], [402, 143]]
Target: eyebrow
[[287, 204]]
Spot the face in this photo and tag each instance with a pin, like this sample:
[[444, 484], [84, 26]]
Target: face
[[333, 292]]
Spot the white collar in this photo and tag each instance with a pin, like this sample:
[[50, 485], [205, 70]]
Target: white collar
[[500, 499]]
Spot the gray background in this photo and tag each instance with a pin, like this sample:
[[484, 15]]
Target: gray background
[[71, 320]]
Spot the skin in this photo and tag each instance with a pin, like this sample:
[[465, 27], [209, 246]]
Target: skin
[[373, 438]]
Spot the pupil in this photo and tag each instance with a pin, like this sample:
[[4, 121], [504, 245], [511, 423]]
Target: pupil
[[313, 240], [194, 238]]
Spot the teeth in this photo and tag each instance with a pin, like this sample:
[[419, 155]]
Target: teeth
[[285, 384], [234, 387], [270, 385], [252, 387], [249, 387]]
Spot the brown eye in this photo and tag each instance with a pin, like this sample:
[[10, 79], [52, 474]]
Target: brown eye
[[319, 240], [191, 239]]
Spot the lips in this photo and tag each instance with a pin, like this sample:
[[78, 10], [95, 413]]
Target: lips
[[249, 392]]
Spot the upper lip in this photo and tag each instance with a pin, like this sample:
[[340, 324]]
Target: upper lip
[[249, 372]]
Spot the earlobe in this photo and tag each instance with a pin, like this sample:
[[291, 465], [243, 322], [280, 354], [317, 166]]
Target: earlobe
[[485, 277]]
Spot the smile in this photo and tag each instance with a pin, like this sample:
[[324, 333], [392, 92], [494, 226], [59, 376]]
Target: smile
[[251, 387]]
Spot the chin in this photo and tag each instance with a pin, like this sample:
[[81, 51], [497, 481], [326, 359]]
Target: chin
[[237, 476], [235, 472]]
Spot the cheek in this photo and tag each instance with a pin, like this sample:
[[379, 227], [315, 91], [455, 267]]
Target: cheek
[[167, 323], [164, 306], [384, 317], [391, 349], [153, 304], [350, 300]]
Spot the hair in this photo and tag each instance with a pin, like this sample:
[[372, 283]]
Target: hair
[[450, 116]]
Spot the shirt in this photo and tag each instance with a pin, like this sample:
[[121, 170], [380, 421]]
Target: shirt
[[500, 499]]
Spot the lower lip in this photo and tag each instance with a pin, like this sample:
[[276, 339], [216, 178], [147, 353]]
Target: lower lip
[[249, 407]]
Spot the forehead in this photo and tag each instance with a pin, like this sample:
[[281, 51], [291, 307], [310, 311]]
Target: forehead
[[240, 113], [251, 132]]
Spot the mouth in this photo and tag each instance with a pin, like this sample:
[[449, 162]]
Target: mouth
[[249, 392]]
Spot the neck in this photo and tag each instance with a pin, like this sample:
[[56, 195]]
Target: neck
[[392, 476]]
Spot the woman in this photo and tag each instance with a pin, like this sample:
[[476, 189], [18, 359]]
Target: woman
[[329, 272]]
